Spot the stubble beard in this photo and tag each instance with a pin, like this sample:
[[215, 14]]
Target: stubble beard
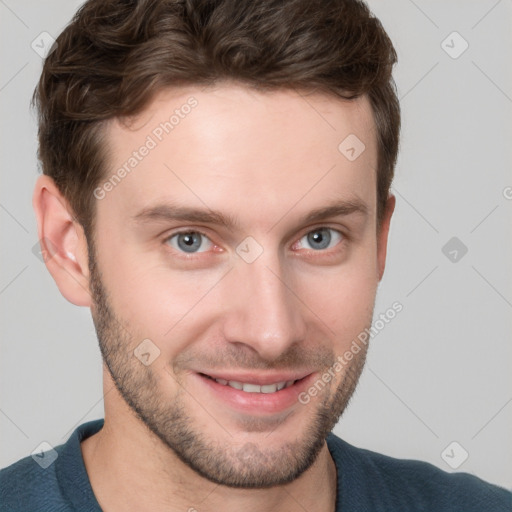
[[242, 466]]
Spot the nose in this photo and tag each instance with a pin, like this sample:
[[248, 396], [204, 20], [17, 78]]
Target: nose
[[262, 310]]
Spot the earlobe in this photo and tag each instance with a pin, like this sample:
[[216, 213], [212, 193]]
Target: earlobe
[[63, 243], [382, 240]]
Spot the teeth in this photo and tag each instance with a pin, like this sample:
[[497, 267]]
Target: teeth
[[255, 388], [251, 388]]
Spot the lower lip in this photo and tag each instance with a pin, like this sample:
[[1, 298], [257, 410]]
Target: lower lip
[[257, 403]]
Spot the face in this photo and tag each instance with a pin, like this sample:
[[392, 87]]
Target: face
[[220, 298]]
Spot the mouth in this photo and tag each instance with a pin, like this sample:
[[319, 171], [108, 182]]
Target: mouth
[[249, 387], [253, 394]]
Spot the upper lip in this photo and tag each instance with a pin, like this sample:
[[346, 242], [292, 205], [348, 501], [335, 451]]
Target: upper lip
[[259, 379]]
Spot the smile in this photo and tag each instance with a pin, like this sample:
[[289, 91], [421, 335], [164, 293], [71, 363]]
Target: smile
[[255, 388], [252, 393]]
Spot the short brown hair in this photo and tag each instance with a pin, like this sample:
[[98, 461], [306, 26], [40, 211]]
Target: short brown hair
[[115, 55]]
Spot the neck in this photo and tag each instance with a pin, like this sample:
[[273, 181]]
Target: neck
[[131, 469]]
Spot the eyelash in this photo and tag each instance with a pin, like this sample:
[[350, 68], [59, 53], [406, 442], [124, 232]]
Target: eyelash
[[192, 256]]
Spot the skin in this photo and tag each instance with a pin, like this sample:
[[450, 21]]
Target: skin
[[266, 159]]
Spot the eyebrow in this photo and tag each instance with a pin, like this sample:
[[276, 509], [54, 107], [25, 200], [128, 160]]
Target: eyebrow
[[173, 212]]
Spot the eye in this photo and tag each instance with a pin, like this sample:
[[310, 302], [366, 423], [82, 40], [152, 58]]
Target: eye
[[189, 241], [322, 238]]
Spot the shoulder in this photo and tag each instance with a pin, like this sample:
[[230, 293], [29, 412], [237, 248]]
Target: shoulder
[[25, 485], [55, 479], [411, 484]]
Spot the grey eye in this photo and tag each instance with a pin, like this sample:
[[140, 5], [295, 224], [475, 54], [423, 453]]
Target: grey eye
[[189, 242], [322, 238]]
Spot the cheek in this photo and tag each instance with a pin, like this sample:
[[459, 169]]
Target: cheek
[[343, 298], [155, 301]]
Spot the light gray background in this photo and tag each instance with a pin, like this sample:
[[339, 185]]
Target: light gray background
[[440, 371]]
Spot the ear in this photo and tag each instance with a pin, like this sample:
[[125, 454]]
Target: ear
[[382, 236], [63, 242]]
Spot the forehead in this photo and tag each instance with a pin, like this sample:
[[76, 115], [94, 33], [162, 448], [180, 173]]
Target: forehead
[[239, 150]]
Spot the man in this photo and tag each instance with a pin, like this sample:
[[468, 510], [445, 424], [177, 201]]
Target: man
[[216, 189]]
